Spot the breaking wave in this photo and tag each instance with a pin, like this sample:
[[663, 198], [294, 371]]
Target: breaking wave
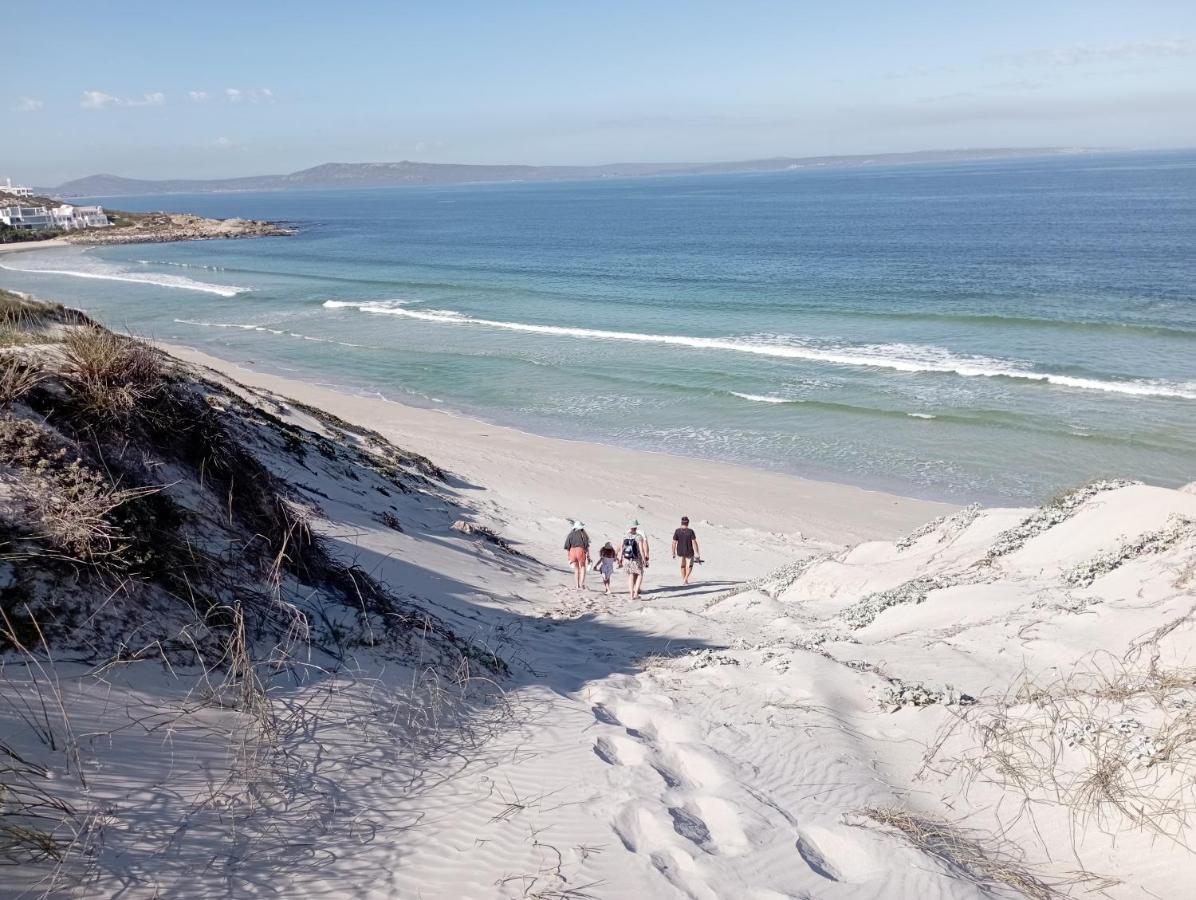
[[365, 304], [180, 282], [758, 398], [263, 328], [897, 357]]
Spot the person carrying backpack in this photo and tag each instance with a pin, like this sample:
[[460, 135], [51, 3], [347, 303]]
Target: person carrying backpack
[[634, 558]]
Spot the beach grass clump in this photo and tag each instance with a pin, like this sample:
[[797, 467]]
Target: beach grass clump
[[21, 313], [985, 861], [17, 378], [898, 695], [30, 815], [1113, 744], [1058, 510], [953, 523], [1178, 529], [864, 612], [17, 311], [112, 375]]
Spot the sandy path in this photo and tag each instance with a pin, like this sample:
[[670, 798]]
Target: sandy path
[[616, 777]]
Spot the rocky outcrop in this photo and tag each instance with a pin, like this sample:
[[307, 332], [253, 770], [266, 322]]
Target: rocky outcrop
[[152, 228]]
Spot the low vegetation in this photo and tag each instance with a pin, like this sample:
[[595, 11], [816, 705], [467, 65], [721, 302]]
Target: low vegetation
[[144, 516], [984, 860], [1112, 741]]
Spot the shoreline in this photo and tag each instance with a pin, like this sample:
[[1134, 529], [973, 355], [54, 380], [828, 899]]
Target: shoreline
[[52, 243], [533, 471]]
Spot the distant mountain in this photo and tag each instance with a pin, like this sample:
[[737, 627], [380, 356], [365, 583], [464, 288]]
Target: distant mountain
[[396, 174]]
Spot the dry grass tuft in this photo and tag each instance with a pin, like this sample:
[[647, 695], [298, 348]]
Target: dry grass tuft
[[20, 312], [72, 507], [112, 375], [1113, 743], [17, 378], [986, 861]]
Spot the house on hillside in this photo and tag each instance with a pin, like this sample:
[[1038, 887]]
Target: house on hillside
[[27, 218], [70, 217], [16, 190], [65, 217]]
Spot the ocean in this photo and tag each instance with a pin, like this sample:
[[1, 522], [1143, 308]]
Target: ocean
[[991, 331]]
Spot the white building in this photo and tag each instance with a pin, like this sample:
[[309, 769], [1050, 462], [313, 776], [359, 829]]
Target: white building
[[27, 218], [65, 217], [71, 217], [16, 190]]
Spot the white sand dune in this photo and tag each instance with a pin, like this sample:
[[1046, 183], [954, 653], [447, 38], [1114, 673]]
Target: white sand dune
[[748, 736]]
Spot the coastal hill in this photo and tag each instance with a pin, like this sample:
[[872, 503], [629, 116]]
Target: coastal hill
[[398, 174]]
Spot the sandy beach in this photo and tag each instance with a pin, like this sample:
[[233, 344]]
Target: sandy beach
[[752, 519], [859, 694], [33, 245]]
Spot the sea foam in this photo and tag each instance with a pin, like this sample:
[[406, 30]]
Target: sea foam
[[265, 329], [157, 280], [759, 398], [897, 357]]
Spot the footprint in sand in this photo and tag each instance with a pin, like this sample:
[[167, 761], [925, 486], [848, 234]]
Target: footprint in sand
[[604, 715], [837, 856], [617, 750], [815, 859], [605, 751], [691, 827]]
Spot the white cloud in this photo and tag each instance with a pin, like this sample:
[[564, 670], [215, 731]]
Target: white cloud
[[97, 100], [198, 96], [249, 95], [1081, 54], [100, 100], [28, 104]]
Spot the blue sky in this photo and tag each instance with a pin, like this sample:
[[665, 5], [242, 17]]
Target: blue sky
[[219, 88]]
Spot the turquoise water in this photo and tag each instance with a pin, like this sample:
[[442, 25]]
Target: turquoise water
[[988, 331]]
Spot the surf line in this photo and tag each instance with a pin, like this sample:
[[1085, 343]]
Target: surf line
[[967, 368]]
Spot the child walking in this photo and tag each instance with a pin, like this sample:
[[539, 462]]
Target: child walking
[[606, 564]]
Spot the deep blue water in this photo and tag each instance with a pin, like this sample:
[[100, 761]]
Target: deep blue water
[[993, 330]]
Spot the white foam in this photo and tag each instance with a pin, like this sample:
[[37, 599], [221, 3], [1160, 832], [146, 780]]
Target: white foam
[[921, 416], [899, 357], [179, 265], [168, 281], [758, 398], [362, 304], [280, 332]]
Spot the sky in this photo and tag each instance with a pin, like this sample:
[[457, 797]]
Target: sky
[[216, 89]]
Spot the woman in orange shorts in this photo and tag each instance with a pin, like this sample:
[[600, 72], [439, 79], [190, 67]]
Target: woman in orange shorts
[[577, 545]]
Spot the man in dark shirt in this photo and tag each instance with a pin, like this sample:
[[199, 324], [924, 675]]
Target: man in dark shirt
[[685, 546]]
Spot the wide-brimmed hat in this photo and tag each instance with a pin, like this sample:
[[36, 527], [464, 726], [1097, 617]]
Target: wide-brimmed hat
[[634, 523]]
